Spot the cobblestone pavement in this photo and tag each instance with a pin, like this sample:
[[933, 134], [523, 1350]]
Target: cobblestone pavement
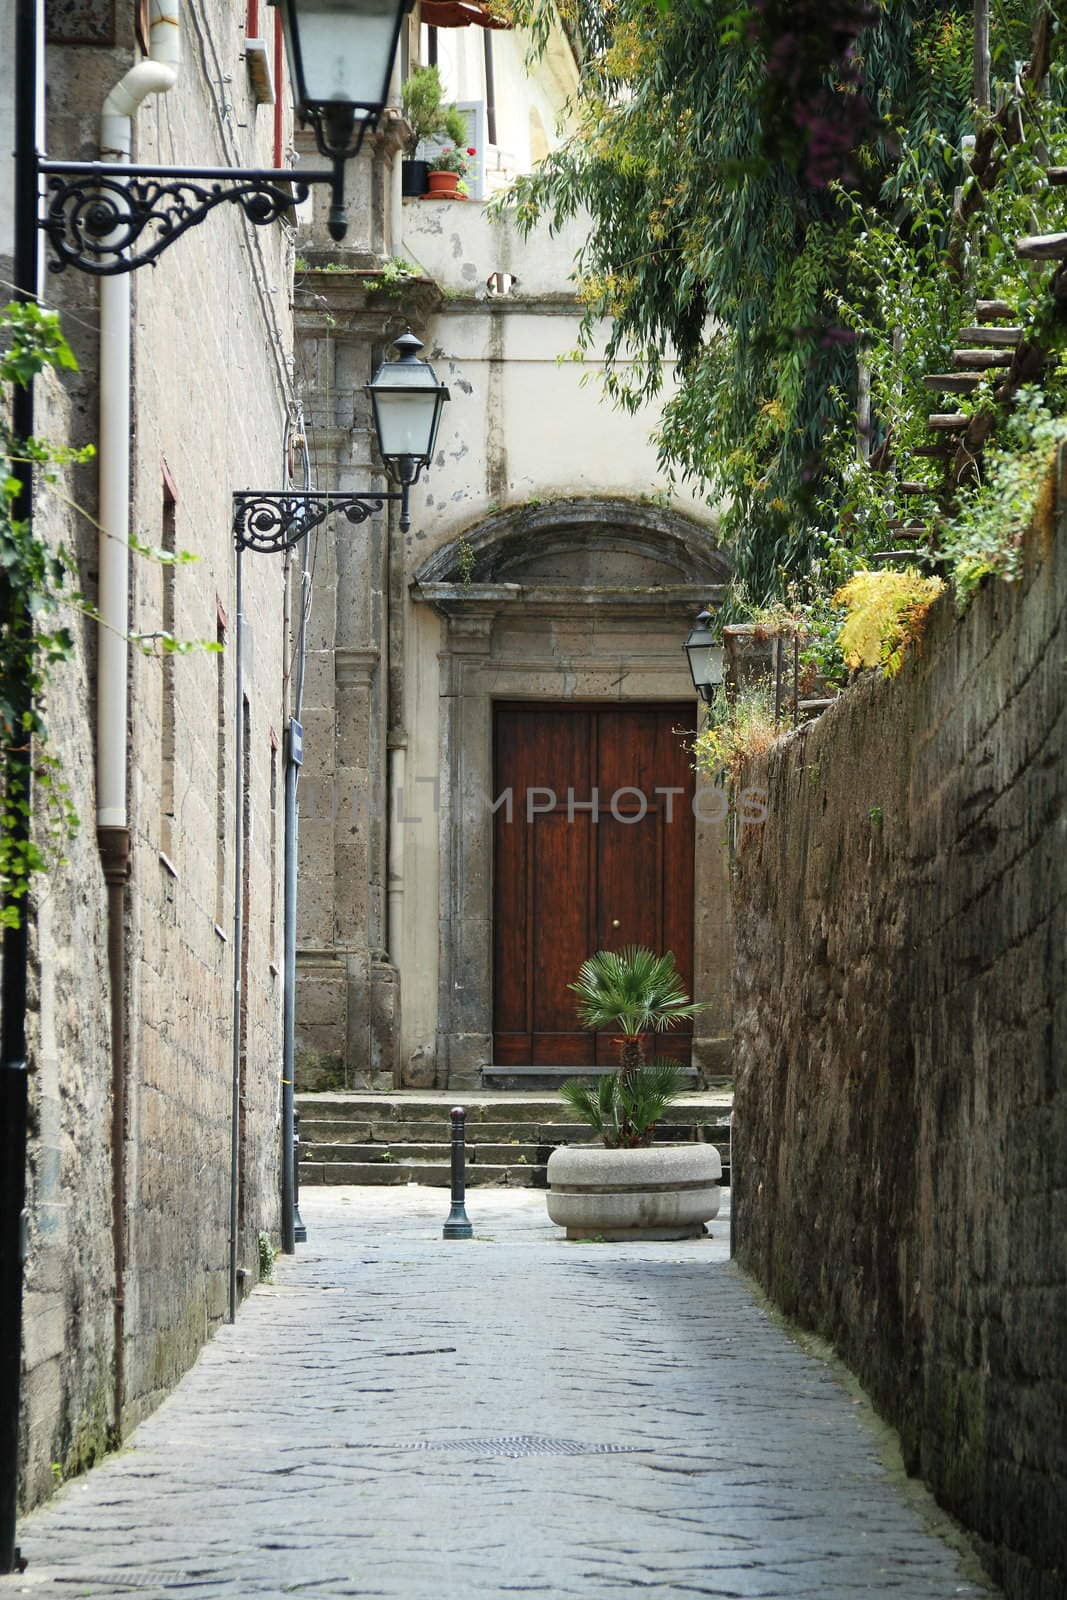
[[349, 1436]]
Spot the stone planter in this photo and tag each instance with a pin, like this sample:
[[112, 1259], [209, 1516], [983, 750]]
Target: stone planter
[[667, 1191]]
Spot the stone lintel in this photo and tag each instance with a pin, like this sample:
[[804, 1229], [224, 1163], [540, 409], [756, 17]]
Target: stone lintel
[[357, 308], [455, 600], [469, 635]]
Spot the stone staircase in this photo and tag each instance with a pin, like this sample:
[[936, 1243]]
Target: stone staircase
[[405, 1137]]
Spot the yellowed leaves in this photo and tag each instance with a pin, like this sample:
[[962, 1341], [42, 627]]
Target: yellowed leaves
[[886, 613]]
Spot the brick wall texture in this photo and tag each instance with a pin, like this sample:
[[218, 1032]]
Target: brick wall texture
[[901, 1114]]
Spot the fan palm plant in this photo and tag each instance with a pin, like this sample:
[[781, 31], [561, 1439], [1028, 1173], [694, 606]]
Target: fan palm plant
[[636, 992]]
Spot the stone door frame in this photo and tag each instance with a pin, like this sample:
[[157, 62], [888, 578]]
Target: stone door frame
[[477, 669]]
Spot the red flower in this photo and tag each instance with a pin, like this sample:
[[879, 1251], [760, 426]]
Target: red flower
[[471, 150]]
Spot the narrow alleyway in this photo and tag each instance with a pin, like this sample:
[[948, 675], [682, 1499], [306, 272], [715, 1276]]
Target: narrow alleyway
[[394, 1417]]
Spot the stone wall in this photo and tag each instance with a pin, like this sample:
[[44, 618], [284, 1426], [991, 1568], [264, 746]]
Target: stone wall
[[212, 353], [901, 1112], [68, 1335]]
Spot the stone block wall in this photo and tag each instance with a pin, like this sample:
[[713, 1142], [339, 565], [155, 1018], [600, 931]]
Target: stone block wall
[[68, 1329], [212, 346], [212, 386], [900, 1141]]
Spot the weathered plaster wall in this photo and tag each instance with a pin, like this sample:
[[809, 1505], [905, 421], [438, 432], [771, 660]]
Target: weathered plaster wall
[[212, 343], [901, 1052], [394, 886]]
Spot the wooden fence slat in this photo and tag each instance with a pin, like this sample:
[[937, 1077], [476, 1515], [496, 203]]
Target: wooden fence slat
[[991, 335], [952, 382], [1042, 247]]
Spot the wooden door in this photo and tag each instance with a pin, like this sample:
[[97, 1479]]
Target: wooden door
[[593, 851]]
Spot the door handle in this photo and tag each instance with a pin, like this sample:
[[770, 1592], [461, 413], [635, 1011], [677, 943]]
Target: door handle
[[615, 922]]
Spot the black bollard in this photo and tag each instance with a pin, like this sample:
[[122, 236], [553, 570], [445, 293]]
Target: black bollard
[[458, 1225]]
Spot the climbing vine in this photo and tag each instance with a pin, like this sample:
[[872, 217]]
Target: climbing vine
[[38, 591], [35, 580]]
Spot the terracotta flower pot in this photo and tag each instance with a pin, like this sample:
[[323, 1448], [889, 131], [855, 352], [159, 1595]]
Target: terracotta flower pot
[[444, 182]]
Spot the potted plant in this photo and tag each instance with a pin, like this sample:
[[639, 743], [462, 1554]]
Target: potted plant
[[447, 168], [428, 118], [631, 1188]]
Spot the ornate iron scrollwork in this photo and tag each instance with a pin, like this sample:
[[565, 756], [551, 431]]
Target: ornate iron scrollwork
[[106, 219], [271, 521]]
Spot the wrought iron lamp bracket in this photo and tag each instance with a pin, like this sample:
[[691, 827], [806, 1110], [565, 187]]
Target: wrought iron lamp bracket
[[104, 218], [271, 521]]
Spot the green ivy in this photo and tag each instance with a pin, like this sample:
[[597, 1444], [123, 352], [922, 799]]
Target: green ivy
[[986, 539], [38, 585], [36, 580]]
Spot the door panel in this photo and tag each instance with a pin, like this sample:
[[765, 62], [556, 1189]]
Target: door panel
[[576, 871], [512, 917], [630, 900], [559, 849]]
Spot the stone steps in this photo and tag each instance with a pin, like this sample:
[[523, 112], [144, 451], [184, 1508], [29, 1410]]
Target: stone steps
[[322, 1131], [511, 1153], [530, 1080], [434, 1174], [406, 1137]]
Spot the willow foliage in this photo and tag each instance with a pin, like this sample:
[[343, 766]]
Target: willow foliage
[[725, 218]]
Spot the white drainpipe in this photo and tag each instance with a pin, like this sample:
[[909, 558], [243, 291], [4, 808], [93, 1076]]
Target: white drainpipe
[[155, 75]]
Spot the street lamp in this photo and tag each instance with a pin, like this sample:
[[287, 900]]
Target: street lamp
[[406, 403], [107, 218], [341, 63], [700, 649]]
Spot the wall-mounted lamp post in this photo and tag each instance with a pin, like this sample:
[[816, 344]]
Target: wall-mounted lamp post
[[700, 648], [341, 63], [105, 218], [406, 404], [406, 401]]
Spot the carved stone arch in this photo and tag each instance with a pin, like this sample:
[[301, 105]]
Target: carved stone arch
[[584, 599], [583, 542]]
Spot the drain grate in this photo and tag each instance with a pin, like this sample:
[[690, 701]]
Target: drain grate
[[138, 1578], [513, 1445]]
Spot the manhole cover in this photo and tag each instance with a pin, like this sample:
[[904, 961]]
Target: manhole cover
[[514, 1445]]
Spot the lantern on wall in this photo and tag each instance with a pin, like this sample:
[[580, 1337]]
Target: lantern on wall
[[703, 655], [341, 55], [407, 400]]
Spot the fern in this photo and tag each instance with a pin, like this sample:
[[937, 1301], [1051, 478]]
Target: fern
[[886, 612]]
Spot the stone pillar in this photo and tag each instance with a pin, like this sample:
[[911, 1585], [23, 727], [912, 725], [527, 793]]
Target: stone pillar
[[372, 984], [465, 1045], [348, 1006]]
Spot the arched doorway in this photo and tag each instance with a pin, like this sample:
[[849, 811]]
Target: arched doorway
[[567, 616]]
